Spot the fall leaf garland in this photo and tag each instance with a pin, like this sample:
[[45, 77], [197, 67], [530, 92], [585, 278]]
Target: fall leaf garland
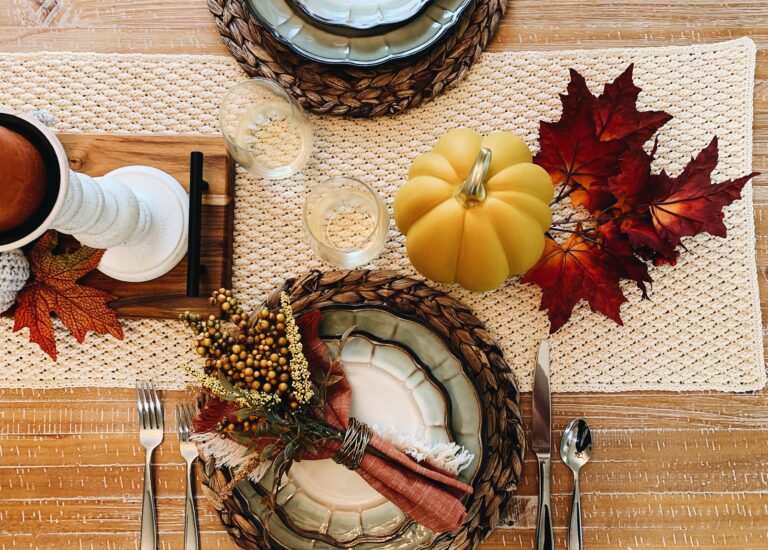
[[595, 154], [54, 290]]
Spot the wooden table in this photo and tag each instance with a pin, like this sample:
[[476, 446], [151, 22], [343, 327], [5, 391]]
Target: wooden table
[[671, 470]]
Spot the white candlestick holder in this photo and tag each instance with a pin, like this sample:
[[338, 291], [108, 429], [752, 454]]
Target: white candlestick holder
[[139, 214]]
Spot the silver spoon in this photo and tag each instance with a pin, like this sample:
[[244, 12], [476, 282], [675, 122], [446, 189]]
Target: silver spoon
[[576, 450]]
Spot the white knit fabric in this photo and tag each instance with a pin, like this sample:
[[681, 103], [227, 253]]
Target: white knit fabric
[[14, 272], [700, 330]]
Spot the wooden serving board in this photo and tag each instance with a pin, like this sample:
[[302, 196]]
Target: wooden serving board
[[97, 154]]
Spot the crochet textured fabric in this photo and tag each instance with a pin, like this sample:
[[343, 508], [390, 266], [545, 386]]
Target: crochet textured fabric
[[700, 330]]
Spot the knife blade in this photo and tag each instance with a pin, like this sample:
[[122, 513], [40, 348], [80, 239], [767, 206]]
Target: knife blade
[[541, 418], [541, 443]]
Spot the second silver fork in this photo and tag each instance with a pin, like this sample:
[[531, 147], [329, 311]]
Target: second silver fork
[[184, 416], [150, 436]]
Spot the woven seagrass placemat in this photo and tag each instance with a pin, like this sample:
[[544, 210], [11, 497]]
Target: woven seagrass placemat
[[361, 92], [502, 432], [701, 330]]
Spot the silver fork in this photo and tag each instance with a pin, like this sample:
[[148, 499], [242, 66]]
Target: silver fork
[[184, 416], [150, 436]]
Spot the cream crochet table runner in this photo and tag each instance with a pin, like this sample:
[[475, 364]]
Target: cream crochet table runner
[[700, 330]]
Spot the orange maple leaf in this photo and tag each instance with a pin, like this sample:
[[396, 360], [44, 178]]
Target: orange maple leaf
[[54, 291]]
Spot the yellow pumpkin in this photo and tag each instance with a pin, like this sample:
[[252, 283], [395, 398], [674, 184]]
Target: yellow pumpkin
[[475, 209]]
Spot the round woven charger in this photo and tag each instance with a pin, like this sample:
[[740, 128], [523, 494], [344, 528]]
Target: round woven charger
[[360, 92], [502, 431]]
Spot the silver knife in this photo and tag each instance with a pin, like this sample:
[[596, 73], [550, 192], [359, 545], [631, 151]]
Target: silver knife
[[541, 442]]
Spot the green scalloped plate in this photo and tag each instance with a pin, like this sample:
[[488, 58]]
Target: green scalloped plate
[[402, 375], [324, 46]]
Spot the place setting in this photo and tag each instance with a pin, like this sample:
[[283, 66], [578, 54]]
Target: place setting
[[348, 271]]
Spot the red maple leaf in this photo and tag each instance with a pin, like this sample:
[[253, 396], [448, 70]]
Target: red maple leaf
[[598, 198], [634, 184], [585, 146], [214, 412], [644, 238], [54, 290], [617, 117], [623, 255], [576, 270], [577, 95], [595, 151], [690, 203], [570, 150], [631, 186]]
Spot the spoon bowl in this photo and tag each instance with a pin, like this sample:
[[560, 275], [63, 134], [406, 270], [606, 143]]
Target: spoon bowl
[[576, 444]]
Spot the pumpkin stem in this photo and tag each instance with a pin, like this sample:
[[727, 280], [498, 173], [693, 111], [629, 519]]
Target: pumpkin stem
[[472, 191]]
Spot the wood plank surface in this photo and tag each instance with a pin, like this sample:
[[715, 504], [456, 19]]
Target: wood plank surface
[[670, 470], [165, 297]]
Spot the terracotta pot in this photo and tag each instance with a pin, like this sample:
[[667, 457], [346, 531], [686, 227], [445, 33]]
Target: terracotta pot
[[22, 179]]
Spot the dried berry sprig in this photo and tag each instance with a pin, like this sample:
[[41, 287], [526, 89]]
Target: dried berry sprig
[[251, 349], [254, 354], [274, 435], [300, 377]]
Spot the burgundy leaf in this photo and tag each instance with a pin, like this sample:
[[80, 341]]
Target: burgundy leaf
[[618, 118]]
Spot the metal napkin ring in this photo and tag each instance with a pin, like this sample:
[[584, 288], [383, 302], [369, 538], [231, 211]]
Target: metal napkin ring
[[353, 446]]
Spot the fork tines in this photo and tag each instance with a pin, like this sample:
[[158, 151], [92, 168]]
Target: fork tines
[[150, 411], [184, 416]]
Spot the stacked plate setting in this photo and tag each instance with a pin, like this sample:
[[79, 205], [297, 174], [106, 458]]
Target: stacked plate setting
[[403, 375], [361, 33]]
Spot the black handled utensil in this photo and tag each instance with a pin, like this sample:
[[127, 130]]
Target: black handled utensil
[[196, 187]]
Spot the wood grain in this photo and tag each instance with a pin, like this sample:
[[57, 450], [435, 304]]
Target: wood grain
[[165, 297], [670, 470]]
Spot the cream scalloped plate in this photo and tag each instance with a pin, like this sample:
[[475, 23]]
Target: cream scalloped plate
[[360, 15], [403, 376]]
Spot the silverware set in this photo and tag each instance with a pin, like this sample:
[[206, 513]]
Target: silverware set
[[575, 452], [151, 436]]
